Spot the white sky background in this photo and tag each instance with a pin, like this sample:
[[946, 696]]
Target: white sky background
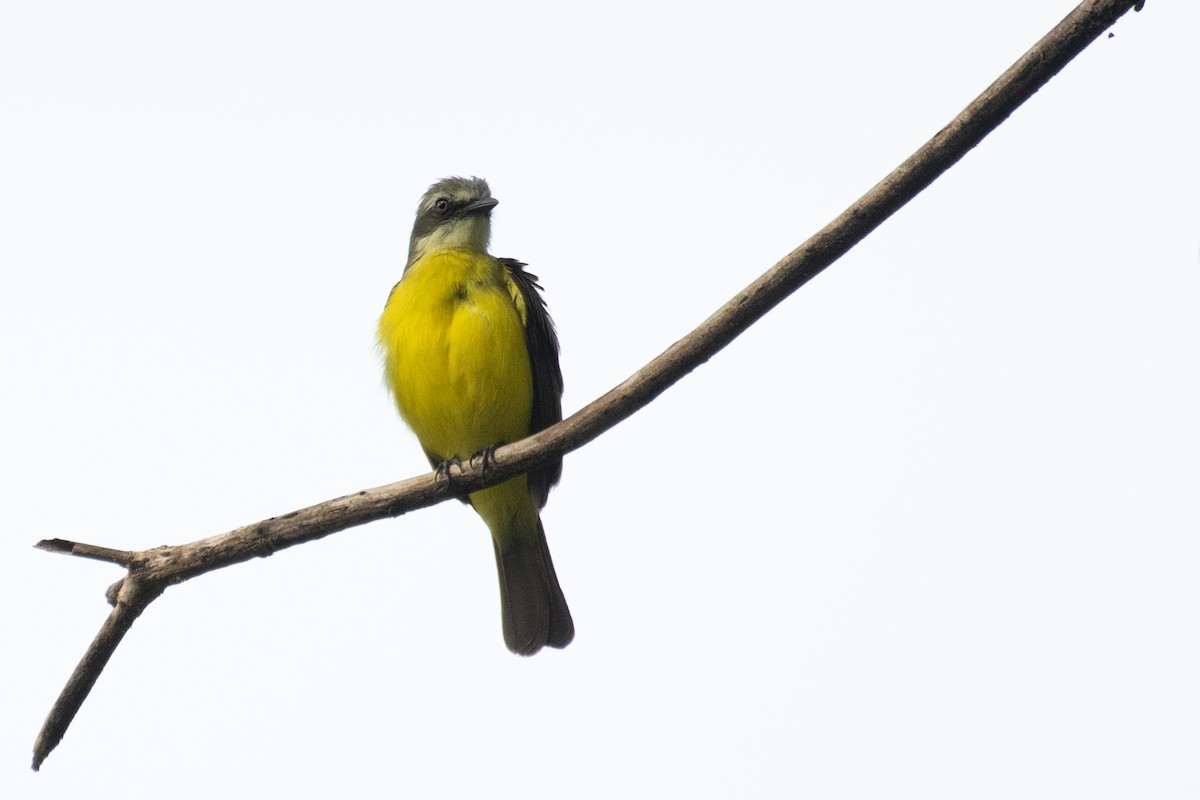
[[928, 530]]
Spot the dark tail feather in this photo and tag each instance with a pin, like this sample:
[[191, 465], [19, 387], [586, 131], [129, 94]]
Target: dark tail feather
[[532, 605]]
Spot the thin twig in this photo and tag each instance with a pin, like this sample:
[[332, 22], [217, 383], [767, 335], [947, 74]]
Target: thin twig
[[122, 557], [151, 571], [131, 599]]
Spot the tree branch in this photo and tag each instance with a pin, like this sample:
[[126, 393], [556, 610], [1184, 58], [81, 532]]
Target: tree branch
[[150, 572]]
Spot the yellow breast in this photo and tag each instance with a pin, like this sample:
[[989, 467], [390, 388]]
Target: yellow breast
[[455, 357]]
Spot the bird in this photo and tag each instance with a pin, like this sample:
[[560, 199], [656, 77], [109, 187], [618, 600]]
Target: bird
[[471, 358]]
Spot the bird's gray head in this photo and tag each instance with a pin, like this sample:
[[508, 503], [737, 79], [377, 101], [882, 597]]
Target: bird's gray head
[[454, 212]]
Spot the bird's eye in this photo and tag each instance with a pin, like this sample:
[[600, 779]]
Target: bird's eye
[[442, 204]]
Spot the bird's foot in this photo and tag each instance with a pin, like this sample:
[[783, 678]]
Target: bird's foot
[[442, 473], [486, 457]]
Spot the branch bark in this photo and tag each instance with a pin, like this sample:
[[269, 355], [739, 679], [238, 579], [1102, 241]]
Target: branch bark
[[150, 572]]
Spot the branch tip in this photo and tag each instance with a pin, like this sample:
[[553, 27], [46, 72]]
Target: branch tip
[[120, 557]]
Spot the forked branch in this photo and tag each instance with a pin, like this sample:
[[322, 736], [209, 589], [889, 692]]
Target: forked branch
[[150, 572]]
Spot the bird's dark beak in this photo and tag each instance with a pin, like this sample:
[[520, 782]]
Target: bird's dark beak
[[479, 206]]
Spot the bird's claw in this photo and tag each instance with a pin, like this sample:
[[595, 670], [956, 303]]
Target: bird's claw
[[442, 473], [486, 457]]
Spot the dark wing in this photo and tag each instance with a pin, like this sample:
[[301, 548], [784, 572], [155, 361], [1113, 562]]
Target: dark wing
[[542, 343]]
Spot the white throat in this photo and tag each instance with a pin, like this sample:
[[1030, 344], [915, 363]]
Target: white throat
[[470, 234]]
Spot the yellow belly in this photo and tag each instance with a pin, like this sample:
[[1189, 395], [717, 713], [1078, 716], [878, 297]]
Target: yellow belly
[[455, 355]]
